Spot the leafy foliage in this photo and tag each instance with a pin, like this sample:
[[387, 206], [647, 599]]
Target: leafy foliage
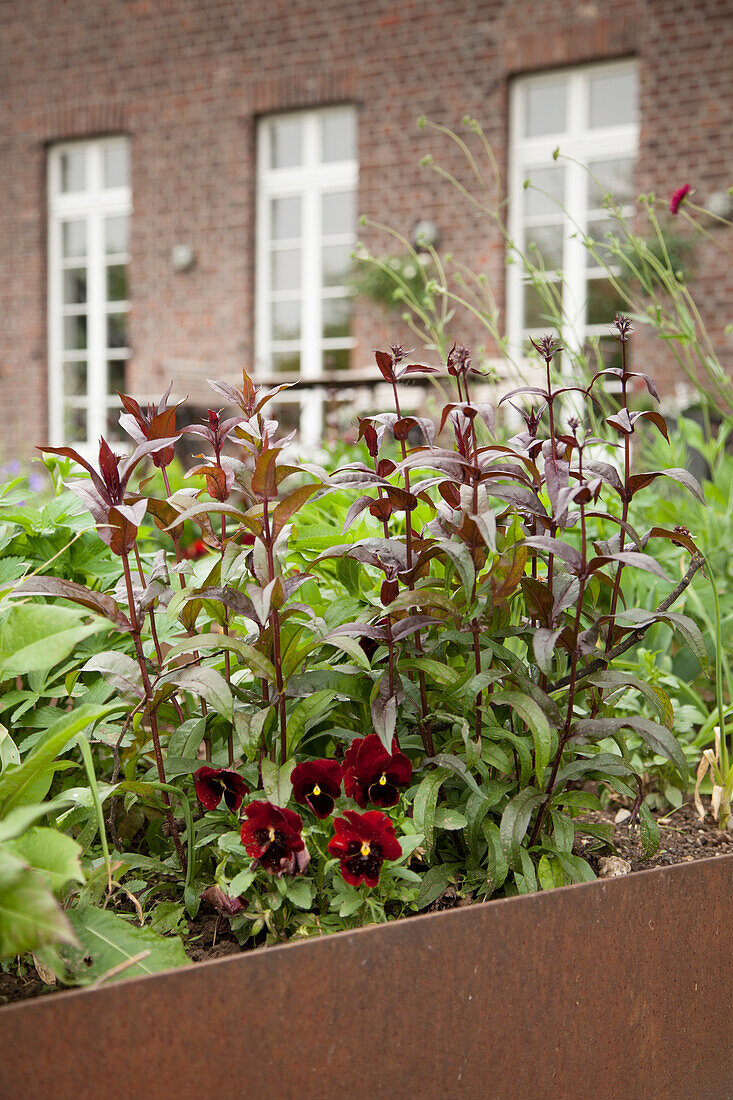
[[422, 645]]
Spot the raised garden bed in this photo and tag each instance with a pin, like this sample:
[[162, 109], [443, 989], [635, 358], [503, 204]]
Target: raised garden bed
[[615, 988]]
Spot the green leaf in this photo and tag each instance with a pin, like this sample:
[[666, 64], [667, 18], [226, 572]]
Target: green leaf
[[514, 823], [433, 885], [109, 941], [29, 913], [497, 867], [15, 783], [446, 818], [425, 803], [251, 658], [305, 714], [21, 818], [205, 682], [241, 883], [36, 637], [649, 831], [658, 699], [300, 893], [276, 781], [52, 854], [531, 714], [549, 872]]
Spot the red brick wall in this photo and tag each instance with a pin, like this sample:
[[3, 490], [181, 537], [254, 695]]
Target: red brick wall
[[186, 80]]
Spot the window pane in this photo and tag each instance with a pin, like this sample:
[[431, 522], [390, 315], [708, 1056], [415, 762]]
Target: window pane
[[336, 264], [115, 234], [285, 218], [288, 415], [116, 283], [116, 170], [597, 230], [116, 330], [75, 424], [336, 359], [285, 268], [75, 379], [544, 243], [74, 286], [537, 313], [113, 431], [603, 302], [116, 376], [611, 177], [286, 362], [75, 332], [338, 212], [612, 99], [604, 353], [545, 192], [545, 107], [338, 135], [74, 170], [74, 238], [286, 142], [285, 320], [337, 316]]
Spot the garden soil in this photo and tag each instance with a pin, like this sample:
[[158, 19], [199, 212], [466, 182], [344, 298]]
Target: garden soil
[[683, 838]]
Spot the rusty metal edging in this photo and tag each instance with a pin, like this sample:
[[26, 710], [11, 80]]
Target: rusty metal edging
[[609, 990]]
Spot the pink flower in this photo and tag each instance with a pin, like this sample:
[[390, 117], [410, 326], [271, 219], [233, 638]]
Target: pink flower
[[678, 197]]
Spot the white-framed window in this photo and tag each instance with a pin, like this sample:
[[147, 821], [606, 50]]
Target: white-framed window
[[89, 205], [589, 114], [307, 173]]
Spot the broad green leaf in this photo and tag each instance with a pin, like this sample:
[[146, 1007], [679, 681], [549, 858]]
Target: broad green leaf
[[29, 914], [251, 658], [300, 893], [15, 783], [305, 714], [433, 885], [35, 636], [241, 883], [549, 872], [18, 820], [649, 830], [205, 682], [446, 818], [531, 714], [424, 805], [109, 941], [52, 854], [497, 867], [276, 781], [514, 823]]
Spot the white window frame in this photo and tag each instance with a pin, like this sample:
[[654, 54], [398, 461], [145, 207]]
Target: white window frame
[[578, 144], [310, 180], [92, 205]]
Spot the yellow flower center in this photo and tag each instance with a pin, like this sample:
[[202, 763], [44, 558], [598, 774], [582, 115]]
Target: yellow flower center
[[383, 780], [316, 790], [365, 849], [271, 832]]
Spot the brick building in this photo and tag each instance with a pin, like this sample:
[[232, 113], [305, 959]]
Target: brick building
[[181, 179]]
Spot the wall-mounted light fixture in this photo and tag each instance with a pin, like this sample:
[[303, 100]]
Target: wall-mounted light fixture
[[183, 257], [425, 234]]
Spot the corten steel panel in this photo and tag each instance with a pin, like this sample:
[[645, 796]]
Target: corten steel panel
[[617, 989]]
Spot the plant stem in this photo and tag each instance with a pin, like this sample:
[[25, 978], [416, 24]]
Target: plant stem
[[276, 653], [172, 827]]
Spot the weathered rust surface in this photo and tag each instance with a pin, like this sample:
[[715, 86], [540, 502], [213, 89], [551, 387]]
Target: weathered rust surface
[[611, 990]]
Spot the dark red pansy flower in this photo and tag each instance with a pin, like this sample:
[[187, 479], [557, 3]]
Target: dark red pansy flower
[[212, 783], [678, 197], [317, 784], [273, 836], [362, 842], [371, 774]]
